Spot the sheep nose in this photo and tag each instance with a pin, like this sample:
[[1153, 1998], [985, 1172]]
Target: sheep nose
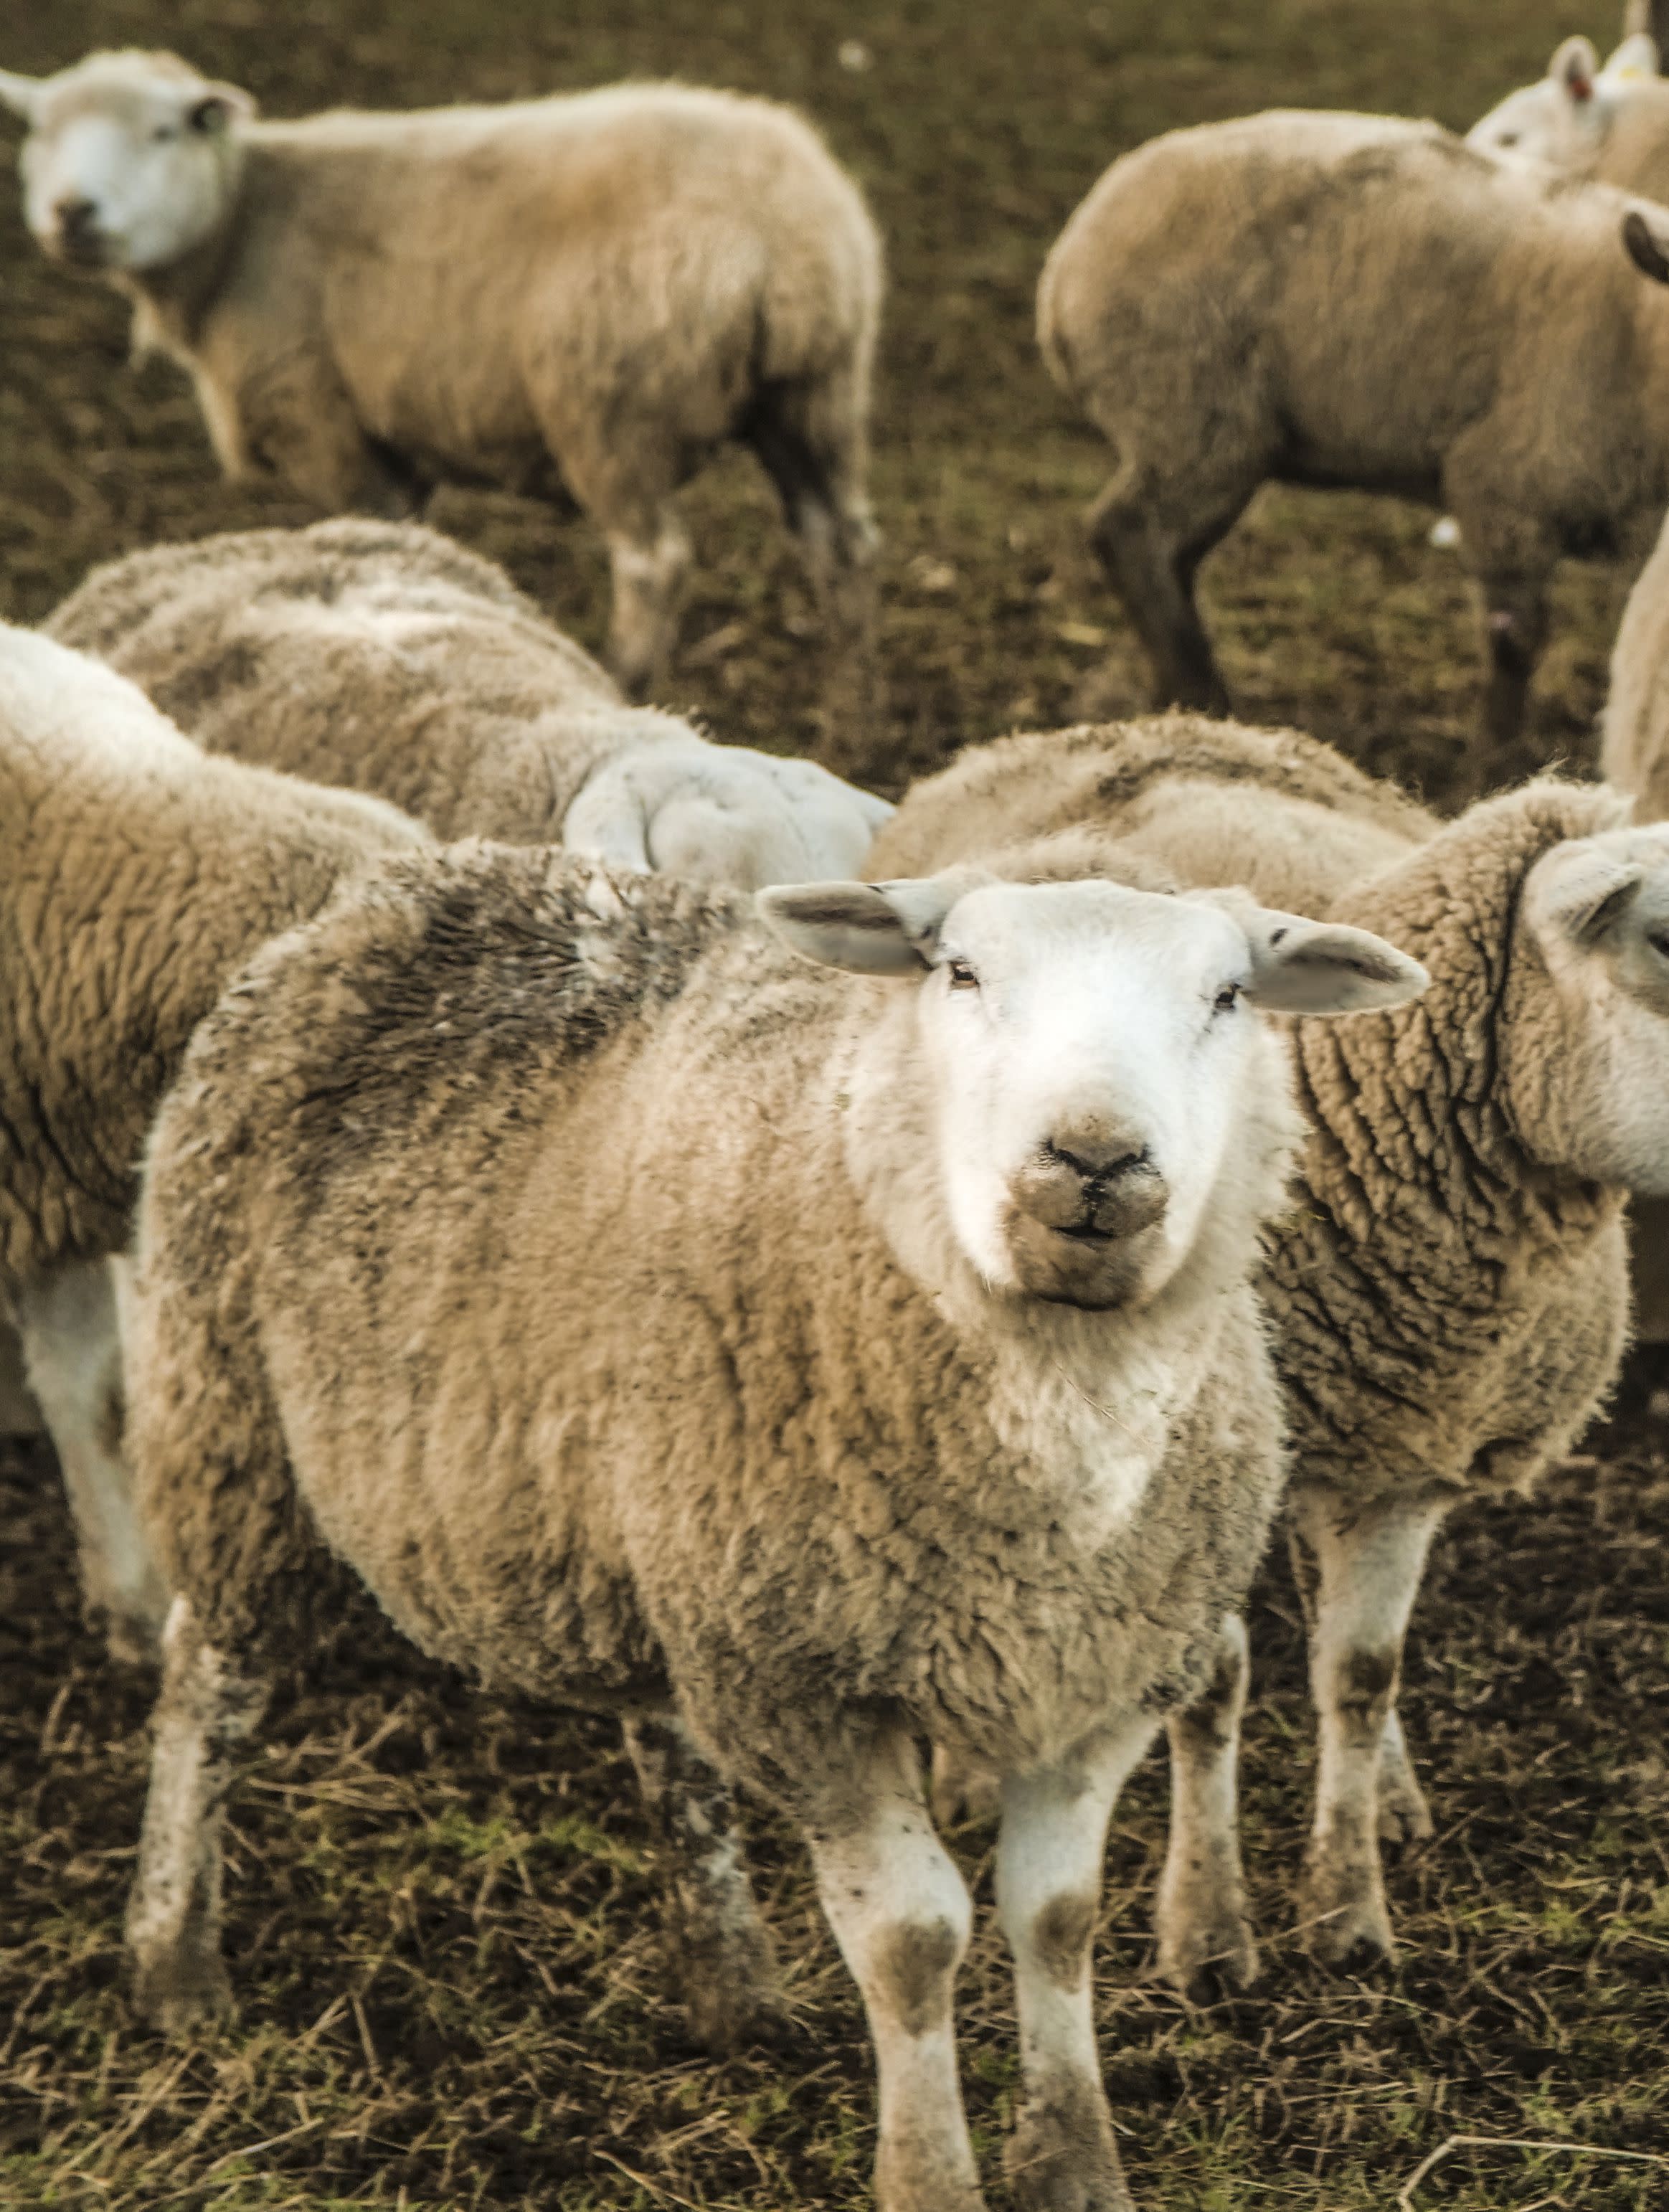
[[1091, 1186], [76, 217]]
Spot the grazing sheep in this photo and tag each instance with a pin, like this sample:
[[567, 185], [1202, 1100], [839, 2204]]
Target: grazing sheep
[[384, 656], [655, 1318], [1448, 1299], [1610, 123], [583, 295], [1192, 307], [136, 874]]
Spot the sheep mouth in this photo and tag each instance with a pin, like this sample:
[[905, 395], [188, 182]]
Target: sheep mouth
[[1085, 1232], [79, 249]]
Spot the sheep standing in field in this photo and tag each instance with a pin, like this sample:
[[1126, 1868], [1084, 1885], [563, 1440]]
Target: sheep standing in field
[[384, 656], [1610, 123], [582, 296], [1448, 1296], [652, 1315], [1345, 300], [136, 874]]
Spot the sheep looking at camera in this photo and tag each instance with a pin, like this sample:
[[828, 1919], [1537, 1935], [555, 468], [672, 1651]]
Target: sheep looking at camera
[[1448, 1298], [584, 296], [652, 1313], [383, 656]]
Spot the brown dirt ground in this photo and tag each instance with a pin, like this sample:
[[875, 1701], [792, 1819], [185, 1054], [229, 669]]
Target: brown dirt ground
[[440, 1911]]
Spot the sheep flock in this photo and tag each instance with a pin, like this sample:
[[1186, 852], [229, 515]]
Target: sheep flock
[[866, 1406]]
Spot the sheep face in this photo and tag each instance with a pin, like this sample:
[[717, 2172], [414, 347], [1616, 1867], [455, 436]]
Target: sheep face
[[131, 159], [1587, 1084], [1094, 1076], [1565, 120]]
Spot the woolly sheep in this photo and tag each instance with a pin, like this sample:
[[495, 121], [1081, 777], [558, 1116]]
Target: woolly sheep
[[1191, 307], [136, 874], [1448, 1297], [384, 656], [1610, 123], [582, 296], [653, 1316]]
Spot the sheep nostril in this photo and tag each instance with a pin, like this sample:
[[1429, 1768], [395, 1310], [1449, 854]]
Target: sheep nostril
[[1100, 1170], [76, 218]]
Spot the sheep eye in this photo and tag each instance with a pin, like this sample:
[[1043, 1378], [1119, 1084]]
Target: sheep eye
[[164, 133], [1508, 138], [962, 976], [1226, 1000]]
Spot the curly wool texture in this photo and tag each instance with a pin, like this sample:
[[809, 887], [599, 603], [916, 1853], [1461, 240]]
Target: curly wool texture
[[515, 1199], [136, 874], [1447, 1310], [379, 655]]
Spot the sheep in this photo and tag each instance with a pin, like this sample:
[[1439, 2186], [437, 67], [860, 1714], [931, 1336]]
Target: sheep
[[836, 1331], [577, 297], [1448, 1295], [384, 656], [1192, 308], [1610, 123], [136, 874]]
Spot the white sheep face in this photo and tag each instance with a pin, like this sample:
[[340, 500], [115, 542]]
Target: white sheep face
[[1564, 121], [1587, 1078], [131, 159], [1094, 1074]]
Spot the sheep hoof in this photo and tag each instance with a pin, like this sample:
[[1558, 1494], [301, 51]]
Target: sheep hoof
[[731, 1995], [1061, 2156], [182, 1997], [1207, 1956], [1347, 1926]]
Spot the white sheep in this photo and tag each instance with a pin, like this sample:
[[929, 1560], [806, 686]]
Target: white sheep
[[1192, 307], [1449, 1296], [582, 295], [136, 874], [651, 1314], [1610, 124], [383, 656]]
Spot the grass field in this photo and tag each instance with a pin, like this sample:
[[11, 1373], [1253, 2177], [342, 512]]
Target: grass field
[[441, 1912]]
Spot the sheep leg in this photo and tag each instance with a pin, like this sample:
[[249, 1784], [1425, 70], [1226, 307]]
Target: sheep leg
[[1062, 2157], [1204, 1934], [649, 566], [721, 1948], [1403, 1815], [1363, 1568], [1152, 569], [902, 1917], [811, 443], [206, 1708], [73, 1347], [1514, 632], [962, 1790]]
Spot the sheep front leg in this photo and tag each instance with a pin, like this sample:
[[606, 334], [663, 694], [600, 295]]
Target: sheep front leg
[[649, 569], [72, 1346], [1203, 1931], [1052, 1840], [902, 1917], [206, 1708], [722, 1949], [1363, 1569], [1514, 632]]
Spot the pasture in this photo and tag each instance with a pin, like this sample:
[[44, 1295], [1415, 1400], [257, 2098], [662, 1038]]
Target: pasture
[[440, 1911]]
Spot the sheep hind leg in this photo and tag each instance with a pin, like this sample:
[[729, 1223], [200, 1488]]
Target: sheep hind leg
[[1403, 1815], [72, 1345], [1362, 1568], [649, 567], [1062, 2156], [721, 1949], [810, 444], [902, 1916], [206, 1708], [1152, 567], [1204, 1934]]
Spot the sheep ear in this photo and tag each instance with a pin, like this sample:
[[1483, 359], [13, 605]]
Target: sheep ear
[[1636, 57], [217, 107], [1573, 69], [1581, 891], [19, 94], [868, 929], [1646, 247], [1300, 967]]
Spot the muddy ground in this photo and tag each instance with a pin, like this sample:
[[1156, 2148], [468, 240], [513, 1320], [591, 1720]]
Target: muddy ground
[[440, 1911]]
